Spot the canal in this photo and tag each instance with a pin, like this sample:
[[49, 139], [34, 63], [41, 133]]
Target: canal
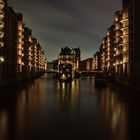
[[46, 109]]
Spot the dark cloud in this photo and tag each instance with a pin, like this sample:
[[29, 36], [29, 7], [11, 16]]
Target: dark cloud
[[73, 23]]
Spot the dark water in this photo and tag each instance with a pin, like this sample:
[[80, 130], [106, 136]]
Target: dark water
[[46, 109]]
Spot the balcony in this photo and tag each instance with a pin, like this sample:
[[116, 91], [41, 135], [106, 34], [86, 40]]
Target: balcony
[[125, 48], [19, 53], [19, 61], [1, 34], [118, 33], [125, 23], [2, 4], [1, 14], [1, 25], [20, 41], [118, 39], [19, 46], [29, 53], [125, 40], [29, 58], [20, 27], [125, 16], [125, 58]]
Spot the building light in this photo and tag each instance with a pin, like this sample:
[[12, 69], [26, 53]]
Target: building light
[[1, 14], [1, 34], [1, 25], [116, 18], [1, 44], [1, 59], [1, 4], [114, 64]]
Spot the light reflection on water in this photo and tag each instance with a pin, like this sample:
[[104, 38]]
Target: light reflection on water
[[79, 109], [115, 114]]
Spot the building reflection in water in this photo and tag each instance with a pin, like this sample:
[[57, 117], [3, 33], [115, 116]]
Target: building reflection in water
[[29, 103], [114, 114], [68, 93], [46, 104], [3, 125]]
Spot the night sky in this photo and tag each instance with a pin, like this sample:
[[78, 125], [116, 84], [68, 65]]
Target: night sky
[[72, 23]]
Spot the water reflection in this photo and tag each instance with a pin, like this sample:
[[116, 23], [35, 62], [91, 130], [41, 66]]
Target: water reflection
[[68, 93], [115, 115], [46, 107], [21, 106], [3, 124]]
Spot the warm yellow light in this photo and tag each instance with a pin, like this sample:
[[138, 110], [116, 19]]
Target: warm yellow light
[[1, 14], [1, 24], [19, 52], [1, 59], [116, 18], [1, 44]]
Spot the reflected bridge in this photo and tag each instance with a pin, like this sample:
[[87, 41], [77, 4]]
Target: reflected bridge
[[97, 74]]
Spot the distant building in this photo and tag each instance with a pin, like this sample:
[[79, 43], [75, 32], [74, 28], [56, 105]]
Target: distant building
[[70, 56], [83, 65], [49, 66], [68, 63], [55, 64], [86, 65], [40, 58], [96, 62]]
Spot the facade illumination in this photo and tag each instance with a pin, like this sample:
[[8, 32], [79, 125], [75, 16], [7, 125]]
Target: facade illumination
[[2, 13], [1, 59]]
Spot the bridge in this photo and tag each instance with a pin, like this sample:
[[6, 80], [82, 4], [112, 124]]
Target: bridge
[[81, 73]]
